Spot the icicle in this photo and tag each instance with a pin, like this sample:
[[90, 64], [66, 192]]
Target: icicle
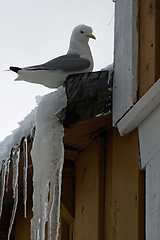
[[47, 157], [13, 211], [15, 161], [54, 212], [3, 176], [25, 167], [7, 172], [32, 132]]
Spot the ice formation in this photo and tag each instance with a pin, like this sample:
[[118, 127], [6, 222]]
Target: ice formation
[[10, 152], [4, 172], [7, 162], [47, 157], [14, 158], [25, 167], [14, 139], [109, 68], [15, 162]]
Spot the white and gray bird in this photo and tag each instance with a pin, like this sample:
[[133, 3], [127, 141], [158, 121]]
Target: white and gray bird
[[53, 73]]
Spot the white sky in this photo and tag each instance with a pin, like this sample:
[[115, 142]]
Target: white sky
[[36, 31]]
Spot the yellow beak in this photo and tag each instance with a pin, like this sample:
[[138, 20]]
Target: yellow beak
[[91, 36]]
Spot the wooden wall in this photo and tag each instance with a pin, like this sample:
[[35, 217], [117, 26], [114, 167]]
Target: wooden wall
[[107, 200], [22, 225], [124, 188], [89, 201], [114, 208], [149, 47]]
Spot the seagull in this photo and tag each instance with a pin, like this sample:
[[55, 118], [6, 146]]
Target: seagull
[[53, 73]]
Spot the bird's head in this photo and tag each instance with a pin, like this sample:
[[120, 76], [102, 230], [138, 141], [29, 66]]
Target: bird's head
[[82, 33]]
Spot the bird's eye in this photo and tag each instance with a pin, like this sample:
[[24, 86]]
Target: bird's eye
[[82, 32]]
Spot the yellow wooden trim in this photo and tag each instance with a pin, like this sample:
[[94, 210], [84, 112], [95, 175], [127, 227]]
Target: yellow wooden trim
[[147, 45], [66, 215]]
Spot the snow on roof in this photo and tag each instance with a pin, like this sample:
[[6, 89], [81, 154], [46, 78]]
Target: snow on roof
[[24, 129]]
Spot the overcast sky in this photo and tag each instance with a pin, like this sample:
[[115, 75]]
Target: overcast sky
[[36, 31]]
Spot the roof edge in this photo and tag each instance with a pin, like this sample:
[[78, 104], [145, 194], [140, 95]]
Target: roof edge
[[141, 110]]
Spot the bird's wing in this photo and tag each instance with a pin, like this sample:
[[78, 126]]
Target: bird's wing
[[67, 63]]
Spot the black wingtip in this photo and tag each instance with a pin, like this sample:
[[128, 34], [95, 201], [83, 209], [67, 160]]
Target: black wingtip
[[15, 69]]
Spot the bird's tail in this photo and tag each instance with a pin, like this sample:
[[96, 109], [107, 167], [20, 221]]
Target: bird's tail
[[15, 69]]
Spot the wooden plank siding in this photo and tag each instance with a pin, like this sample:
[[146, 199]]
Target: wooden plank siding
[[89, 208], [149, 73], [124, 188], [147, 45]]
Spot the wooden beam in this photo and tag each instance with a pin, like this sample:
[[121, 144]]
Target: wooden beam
[[81, 135], [147, 45], [141, 110], [66, 215]]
